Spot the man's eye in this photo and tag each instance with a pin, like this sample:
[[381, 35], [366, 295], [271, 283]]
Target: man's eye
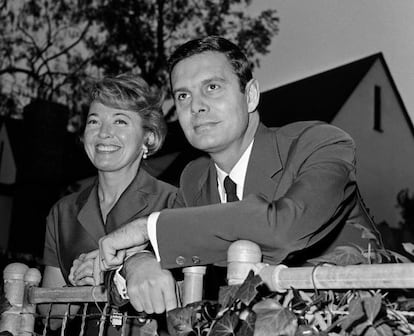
[[212, 87], [181, 96]]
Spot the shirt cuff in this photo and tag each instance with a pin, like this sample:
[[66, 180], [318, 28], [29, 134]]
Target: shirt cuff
[[152, 233], [119, 280], [120, 284]]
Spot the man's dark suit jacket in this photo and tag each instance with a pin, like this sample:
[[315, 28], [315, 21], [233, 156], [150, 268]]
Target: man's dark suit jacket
[[75, 224], [300, 200]]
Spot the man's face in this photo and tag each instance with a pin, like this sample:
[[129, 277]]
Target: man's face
[[212, 110]]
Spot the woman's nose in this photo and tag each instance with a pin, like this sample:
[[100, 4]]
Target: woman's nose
[[105, 130]]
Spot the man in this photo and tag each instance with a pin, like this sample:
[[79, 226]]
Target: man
[[296, 184]]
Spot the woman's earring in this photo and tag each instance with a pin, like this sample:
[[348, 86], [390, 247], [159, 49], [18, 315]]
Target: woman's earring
[[145, 152]]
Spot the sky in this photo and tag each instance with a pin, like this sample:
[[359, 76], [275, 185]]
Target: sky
[[317, 35]]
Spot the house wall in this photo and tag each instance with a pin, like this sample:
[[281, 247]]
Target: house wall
[[385, 161], [5, 218]]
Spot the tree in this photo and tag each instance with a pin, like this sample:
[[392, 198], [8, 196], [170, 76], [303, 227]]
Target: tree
[[50, 49], [42, 54], [146, 32]]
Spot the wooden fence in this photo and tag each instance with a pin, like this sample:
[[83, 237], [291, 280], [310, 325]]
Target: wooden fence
[[22, 291]]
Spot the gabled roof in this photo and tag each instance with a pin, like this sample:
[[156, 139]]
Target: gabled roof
[[321, 96], [14, 130]]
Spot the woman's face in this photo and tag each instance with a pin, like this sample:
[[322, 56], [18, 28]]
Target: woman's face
[[113, 138]]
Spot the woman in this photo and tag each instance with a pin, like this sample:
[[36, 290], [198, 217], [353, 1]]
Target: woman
[[124, 125]]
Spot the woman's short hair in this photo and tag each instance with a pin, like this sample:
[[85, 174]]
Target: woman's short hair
[[132, 93]]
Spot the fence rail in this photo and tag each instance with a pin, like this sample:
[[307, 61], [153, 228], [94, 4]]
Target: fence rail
[[22, 291]]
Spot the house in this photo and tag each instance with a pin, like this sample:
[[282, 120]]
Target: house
[[40, 161], [360, 97], [8, 173]]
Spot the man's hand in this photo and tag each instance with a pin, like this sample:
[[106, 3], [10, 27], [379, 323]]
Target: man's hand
[[150, 288], [113, 247], [85, 270]]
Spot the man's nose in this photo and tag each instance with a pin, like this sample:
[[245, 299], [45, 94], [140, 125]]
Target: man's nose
[[198, 105]]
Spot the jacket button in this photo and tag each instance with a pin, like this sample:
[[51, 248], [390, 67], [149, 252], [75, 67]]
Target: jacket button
[[180, 260], [196, 260]]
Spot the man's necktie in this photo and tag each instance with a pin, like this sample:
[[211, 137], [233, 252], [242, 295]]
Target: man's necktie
[[230, 188], [216, 275]]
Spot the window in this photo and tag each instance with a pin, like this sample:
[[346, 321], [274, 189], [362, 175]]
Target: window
[[377, 108]]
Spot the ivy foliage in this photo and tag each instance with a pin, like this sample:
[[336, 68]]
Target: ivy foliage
[[251, 309]]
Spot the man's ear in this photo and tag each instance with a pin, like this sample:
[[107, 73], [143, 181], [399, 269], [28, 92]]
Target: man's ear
[[252, 95]]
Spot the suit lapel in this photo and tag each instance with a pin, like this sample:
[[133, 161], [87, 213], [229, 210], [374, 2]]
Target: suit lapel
[[208, 191], [264, 164]]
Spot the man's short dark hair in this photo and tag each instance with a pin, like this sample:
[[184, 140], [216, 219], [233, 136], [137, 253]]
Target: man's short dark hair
[[237, 59]]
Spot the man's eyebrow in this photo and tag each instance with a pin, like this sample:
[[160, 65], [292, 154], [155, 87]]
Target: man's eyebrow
[[203, 82], [213, 79], [180, 89]]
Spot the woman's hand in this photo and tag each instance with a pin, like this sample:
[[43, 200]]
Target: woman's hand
[[85, 270]]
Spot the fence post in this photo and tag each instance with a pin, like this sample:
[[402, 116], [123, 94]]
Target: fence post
[[13, 276], [193, 284], [32, 278], [242, 256]]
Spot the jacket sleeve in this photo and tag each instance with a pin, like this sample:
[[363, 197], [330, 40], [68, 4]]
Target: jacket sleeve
[[320, 196], [50, 254]]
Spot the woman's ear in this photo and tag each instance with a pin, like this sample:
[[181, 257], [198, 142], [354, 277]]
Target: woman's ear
[[150, 139], [252, 95]]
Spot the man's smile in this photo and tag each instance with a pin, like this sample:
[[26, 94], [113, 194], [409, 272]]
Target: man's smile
[[204, 126]]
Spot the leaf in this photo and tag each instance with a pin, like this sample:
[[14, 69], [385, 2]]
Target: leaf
[[356, 314], [209, 310], [248, 290], [372, 306], [265, 305], [247, 324], [275, 322], [307, 330], [180, 321], [149, 329], [384, 330], [341, 256], [363, 329], [399, 258], [409, 248], [366, 232], [6, 333], [298, 302], [4, 304], [226, 325], [227, 295]]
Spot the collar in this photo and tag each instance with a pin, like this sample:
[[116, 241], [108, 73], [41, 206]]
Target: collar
[[237, 174], [264, 162], [132, 201]]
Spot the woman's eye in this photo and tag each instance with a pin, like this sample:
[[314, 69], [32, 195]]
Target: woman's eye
[[91, 122], [120, 122]]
